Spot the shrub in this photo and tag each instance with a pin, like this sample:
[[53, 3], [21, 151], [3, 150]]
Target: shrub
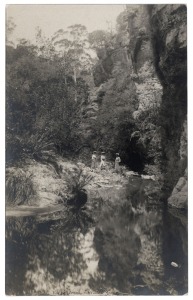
[[38, 143], [33, 145], [76, 180]]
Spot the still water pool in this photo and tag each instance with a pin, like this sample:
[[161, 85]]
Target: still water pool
[[123, 243]]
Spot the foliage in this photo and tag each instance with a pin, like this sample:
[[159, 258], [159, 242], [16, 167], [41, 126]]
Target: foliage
[[73, 47], [19, 187], [117, 125], [45, 46], [148, 126], [99, 39], [122, 21], [10, 26], [77, 179], [41, 111]]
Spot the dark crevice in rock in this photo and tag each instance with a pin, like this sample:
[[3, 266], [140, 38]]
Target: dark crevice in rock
[[156, 46]]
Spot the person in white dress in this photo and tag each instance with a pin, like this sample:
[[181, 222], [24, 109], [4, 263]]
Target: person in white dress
[[103, 161], [94, 160], [117, 162]]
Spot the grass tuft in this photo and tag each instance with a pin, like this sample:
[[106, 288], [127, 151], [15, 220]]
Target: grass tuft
[[19, 187]]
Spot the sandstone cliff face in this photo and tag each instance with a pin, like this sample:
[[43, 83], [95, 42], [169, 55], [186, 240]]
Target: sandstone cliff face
[[126, 87], [170, 50], [108, 101], [149, 90], [137, 103]]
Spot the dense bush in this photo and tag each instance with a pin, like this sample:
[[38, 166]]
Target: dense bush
[[42, 107]]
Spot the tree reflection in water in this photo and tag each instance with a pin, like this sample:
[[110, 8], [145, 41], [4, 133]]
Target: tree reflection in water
[[120, 245], [53, 260], [125, 239], [61, 261], [130, 239], [19, 232]]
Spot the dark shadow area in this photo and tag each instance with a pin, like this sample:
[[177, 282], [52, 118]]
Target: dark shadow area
[[175, 250]]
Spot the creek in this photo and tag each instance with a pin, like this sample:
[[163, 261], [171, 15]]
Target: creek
[[122, 243]]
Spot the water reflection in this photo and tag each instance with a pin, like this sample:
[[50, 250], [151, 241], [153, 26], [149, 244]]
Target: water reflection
[[121, 244], [128, 240], [49, 258], [57, 262], [174, 249], [18, 240]]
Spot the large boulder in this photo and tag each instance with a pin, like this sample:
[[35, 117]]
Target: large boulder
[[179, 196]]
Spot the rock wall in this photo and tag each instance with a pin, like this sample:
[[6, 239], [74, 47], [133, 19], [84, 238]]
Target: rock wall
[[169, 36], [137, 103], [125, 88]]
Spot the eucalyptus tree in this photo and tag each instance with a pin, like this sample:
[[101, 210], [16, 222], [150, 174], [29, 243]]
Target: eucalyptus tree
[[73, 48]]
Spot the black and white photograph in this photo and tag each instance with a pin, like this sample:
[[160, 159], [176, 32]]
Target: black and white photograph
[[96, 176]]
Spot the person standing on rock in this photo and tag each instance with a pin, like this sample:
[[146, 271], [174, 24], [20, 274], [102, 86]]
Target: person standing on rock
[[117, 162], [102, 163], [94, 160]]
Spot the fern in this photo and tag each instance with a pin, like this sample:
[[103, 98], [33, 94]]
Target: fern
[[76, 180]]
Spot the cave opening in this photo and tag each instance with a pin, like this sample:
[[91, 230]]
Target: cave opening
[[134, 156]]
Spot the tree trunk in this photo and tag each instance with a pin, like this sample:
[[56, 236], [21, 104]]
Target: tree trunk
[[75, 97], [75, 76]]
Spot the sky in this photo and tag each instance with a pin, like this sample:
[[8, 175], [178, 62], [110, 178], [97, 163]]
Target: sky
[[50, 18]]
